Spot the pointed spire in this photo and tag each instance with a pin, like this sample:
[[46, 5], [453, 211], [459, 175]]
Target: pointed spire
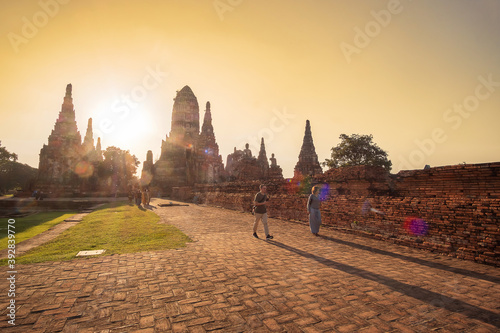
[[147, 169], [206, 141], [207, 128], [59, 158], [262, 154], [88, 141], [308, 163], [65, 126], [98, 145], [69, 89], [68, 99], [98, 150], [208, 115]]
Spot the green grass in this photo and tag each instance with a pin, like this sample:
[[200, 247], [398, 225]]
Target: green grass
[[116, 228], [29, 226]]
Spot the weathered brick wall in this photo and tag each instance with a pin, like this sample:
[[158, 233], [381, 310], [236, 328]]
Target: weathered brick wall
[[473, 180], [459, 204]]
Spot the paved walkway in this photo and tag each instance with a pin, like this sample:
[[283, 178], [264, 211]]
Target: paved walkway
[[226, 280]]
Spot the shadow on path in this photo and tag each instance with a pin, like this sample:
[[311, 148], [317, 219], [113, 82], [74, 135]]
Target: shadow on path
[[416, 260], [419, 293]]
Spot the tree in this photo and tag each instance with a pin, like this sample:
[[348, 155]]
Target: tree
[[5, 155], [118, 168], [14, 175], [357, 150]]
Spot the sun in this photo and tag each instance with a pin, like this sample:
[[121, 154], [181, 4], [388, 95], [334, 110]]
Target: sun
[[124, 130]]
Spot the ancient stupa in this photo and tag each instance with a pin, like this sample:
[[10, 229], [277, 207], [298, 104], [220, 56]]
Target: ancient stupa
[[308, 163]]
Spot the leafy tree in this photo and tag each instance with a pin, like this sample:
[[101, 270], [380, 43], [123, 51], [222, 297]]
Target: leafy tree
[[5, 155], [119, 168], [14, 175], [357, 150]]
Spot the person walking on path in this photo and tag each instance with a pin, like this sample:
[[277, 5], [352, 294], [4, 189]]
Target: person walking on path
[[144, 198], [260, 203], [313, 208]]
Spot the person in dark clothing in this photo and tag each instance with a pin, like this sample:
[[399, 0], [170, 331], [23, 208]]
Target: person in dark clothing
[[260, 203]]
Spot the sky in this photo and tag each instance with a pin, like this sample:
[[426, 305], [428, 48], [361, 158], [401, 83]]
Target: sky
[[422, 77]]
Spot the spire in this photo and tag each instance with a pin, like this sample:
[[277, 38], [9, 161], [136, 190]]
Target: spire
[[98, 150], [308, 163], [147, 169], [60, 157], [65, 126], [98, 145], [206, 141], [88, 141], [68, 99], [207, 128], [69, 88], [262, 154]]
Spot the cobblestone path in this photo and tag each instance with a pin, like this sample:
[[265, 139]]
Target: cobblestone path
[[226, 280]]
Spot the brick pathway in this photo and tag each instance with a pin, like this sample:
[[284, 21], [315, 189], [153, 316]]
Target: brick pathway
[[228, 281]]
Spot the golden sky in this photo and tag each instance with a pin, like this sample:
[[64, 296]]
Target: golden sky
[[422, 76]]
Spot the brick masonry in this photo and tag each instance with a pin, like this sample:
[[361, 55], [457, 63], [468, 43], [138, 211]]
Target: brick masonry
[[459, 205], [228, 281]]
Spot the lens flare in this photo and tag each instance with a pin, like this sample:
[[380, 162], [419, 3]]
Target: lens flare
[[324, 193], [84, 169], [416, 226]]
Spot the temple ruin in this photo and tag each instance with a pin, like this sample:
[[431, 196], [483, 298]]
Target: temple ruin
[[452, 210], [308, 164], [66, 165], [188, 156], [242, 165]]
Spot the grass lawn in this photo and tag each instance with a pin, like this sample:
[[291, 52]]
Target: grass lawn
[[29, 226], [116, 228]]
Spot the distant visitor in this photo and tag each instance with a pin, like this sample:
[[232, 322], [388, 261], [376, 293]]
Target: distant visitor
[[260, 208], [313, 205]]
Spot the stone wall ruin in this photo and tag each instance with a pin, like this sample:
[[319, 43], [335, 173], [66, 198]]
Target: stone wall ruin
[[457, 207]]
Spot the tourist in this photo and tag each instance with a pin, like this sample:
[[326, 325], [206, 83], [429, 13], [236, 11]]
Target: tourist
[[260, 203], [130, 195], [313, 208], [138, 196], [145, 195], [148, 196]]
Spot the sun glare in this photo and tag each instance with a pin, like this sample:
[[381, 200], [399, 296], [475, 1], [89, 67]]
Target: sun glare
[[124, 130]]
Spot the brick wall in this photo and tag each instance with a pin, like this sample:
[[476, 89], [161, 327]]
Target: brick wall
[[457, 207]]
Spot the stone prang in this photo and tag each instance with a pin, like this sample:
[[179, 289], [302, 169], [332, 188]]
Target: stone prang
[[187, 156], [308, 164]]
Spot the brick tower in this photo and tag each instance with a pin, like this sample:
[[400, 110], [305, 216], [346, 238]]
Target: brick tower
[[308, 163], [188, 156], [58, 159]]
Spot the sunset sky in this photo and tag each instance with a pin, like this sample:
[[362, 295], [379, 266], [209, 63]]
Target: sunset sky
[[422, 76]]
